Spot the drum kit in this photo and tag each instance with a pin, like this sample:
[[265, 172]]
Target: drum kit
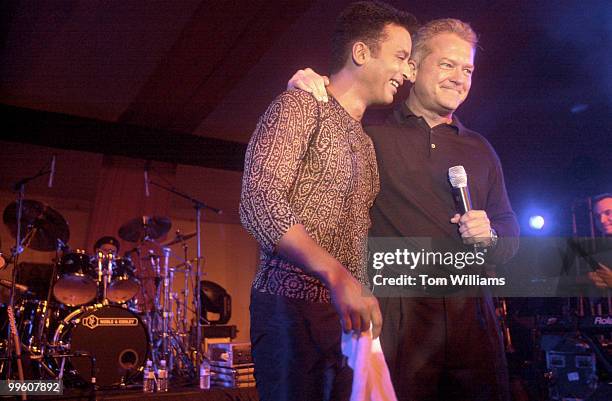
[[102, 316]]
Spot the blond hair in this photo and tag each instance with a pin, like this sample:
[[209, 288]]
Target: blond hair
[[420, 50]]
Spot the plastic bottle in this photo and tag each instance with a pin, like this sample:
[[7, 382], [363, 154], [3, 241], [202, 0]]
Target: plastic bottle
[[148, 378], [162, 377], [205, 375]]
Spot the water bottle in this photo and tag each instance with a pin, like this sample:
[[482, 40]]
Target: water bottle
[[205, 375], [162, 377], [148, 378]]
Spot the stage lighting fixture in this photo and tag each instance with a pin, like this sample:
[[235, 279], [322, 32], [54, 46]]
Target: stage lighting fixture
[[536, 222]]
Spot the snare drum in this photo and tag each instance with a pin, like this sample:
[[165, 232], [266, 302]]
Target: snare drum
[[76, 284], [114, 336]]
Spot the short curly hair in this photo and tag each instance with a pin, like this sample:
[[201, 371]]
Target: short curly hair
[[365, 21]]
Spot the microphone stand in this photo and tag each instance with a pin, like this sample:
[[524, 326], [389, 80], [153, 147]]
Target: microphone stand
[[13, 338], [198, 205]]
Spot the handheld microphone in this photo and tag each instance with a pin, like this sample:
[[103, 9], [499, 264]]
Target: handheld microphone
[[146, 177], [52, 173], [461, 193]]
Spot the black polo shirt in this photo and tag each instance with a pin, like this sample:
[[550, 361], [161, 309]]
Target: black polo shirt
[[415, 197]]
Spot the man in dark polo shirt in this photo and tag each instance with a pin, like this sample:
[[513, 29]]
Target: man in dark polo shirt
[[444, 348]]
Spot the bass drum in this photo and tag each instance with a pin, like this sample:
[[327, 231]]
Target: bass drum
[[115, 336]]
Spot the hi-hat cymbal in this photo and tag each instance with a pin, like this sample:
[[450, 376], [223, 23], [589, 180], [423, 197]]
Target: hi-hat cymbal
[[40, 222], [178, 238], [145, 227]]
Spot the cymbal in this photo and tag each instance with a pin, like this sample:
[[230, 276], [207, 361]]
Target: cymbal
[[44, 225], [144, 227], [186, 266], [179, 238]]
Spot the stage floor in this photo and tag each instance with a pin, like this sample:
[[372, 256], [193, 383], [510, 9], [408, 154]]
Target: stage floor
[[190, 393]]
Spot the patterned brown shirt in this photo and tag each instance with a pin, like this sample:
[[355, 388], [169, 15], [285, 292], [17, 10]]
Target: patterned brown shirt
[[308, 163]]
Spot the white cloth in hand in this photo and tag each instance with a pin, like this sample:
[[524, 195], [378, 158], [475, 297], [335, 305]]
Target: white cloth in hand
[[371, 379]]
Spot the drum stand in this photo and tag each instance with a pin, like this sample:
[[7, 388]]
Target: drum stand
[[167, 344], [167, 279], [157, 320], [181, 307], [61, 355], [198, 207]]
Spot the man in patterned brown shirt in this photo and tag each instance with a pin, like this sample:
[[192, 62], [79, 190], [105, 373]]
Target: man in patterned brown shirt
[[310, 178]]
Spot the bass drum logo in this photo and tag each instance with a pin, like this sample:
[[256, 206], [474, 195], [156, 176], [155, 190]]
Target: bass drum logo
[[92, 321]]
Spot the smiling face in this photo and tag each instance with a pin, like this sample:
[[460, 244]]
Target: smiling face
[[387, 68], [603, 216], [442, 75]]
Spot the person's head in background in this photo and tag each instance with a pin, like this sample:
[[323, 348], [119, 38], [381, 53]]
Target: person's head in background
[[602, 213], [107, 245]]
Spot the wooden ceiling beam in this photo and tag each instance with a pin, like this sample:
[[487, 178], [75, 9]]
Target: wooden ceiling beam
[[85, 134]]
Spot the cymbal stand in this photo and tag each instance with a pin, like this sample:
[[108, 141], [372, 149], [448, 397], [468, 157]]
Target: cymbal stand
[[167, 279], [13, 338], [149, 317], [180, 334], [185, 366], [198, 207], [181, 319], [182, 323], [155, 265], [166, 343], [152, 308]]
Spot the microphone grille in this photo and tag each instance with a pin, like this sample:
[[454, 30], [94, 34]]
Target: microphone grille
[[457, 177]]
